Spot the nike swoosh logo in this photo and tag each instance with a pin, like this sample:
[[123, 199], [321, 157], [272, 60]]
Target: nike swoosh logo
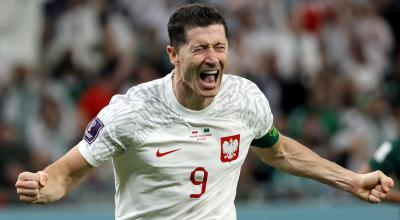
[[161, 154]]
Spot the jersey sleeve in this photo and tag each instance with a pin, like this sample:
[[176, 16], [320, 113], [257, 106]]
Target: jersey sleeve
[[109, 134], [386, 158], [265, 135]]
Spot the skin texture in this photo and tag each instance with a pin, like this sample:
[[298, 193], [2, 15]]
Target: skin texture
[[55, 181], [292, 157], [206, 49]]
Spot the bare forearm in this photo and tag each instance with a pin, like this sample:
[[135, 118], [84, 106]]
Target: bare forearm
[[324, 171], [63, 176], [292, 157], [55, 189], [296, 159], [58, 184]]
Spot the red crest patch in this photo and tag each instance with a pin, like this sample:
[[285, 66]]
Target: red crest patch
[[230, 148]]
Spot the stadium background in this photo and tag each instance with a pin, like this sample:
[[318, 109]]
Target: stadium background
[[330, 69]]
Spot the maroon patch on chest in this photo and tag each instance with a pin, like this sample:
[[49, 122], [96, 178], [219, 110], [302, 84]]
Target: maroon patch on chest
[[230, 148]]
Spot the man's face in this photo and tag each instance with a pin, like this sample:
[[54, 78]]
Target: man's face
[[201, 61]]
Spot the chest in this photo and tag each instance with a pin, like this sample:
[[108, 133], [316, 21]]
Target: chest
[[217, 145]]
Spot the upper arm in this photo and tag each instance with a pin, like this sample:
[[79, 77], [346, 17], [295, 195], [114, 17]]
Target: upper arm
[[269, 154], [285, 153]]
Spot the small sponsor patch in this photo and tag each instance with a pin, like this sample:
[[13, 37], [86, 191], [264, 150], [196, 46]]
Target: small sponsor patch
[[201, 135], [93, 130]]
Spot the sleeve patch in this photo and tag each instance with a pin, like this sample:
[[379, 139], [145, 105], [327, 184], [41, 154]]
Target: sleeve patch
[[93, 130], [267, 140]]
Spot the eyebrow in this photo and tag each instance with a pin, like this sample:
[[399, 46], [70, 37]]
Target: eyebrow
[[207, 44]]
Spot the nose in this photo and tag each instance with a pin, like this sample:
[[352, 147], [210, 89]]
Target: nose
[[211, 57]]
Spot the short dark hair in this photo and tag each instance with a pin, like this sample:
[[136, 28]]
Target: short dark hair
[[191, 16]]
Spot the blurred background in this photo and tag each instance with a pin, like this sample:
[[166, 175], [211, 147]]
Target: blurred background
[[330, 70]]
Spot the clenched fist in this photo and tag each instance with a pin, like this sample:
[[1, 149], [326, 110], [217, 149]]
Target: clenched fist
[[29, 186], [373, 187]]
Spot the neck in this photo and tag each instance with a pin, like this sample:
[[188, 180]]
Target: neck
[[186, 96]]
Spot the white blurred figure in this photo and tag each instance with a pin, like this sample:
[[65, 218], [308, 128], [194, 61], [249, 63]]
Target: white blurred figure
[[157, 19], [78, 30], [369, 46], [362, 132], [20, 25], [375, 36], [50, 131]]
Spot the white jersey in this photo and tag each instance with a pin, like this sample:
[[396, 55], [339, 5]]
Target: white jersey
[[171, 162]]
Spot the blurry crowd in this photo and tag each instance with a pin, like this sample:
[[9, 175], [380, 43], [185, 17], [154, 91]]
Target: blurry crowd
[[330, 70]]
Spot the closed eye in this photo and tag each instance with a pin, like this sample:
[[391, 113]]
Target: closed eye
[[199, 49], [220, 48]]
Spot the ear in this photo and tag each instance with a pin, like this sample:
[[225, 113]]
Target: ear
[[173, 55]]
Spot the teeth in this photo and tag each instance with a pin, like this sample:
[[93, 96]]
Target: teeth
[[211, 72]]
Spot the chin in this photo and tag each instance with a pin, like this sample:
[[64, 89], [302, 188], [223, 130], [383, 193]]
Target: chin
[[210, 94]]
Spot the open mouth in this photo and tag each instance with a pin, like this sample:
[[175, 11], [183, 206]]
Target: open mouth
[[209, 78]]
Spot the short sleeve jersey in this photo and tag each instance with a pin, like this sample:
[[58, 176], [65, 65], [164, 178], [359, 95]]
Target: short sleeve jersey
[[171, 162], [387, 158]]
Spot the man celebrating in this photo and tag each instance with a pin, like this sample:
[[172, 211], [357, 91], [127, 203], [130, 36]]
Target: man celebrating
[[178, 143]]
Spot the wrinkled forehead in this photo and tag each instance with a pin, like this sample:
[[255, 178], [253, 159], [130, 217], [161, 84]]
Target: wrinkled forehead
[[211, 33]]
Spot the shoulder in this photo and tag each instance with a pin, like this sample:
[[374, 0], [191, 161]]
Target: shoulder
[[142, 94], [243, 101], [229, 79], [237, 85], [146, 90], [138, 98], [240, 89]]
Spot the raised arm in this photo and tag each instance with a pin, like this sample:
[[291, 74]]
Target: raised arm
[[292, 157], [54, 182]]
